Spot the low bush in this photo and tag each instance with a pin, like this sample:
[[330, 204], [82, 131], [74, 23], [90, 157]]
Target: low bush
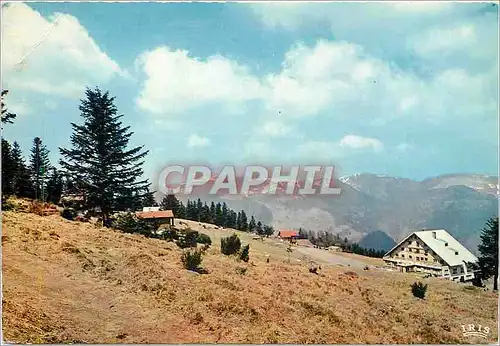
[[244, 255], [8, 204], [192, 260], [169, 234], [230, 245], [418, 289], [68, 213], [204, 239], [129, 223], [187, 239]]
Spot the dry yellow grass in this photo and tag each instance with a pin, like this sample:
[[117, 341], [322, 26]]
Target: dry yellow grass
[[66, 281]]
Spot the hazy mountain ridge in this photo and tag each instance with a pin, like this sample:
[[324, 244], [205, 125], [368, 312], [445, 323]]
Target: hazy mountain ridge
[[460, 203]]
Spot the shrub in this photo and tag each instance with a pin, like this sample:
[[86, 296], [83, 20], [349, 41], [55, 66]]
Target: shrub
[[477, 282], [230, 245], [8, 204], [418, 289], [191, 260], [244, 256], [129, 223], [68, 213], [204, 239], [169, 234], [188, 239]]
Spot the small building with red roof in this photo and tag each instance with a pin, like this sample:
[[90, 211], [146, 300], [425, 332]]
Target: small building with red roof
[[289, 235], [160, 217]]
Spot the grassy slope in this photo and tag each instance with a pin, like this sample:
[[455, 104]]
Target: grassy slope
[[65, 281]]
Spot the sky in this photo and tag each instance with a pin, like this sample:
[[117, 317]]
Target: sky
[[402, 89]]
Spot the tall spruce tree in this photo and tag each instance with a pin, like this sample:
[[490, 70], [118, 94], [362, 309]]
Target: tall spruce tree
[[39, 168], [106, 170], [252, 225], [488, 261], [21, 182], [8, 167]]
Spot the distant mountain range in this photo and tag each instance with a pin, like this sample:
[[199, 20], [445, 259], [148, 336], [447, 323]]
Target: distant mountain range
[[458, 203], [377, 240]]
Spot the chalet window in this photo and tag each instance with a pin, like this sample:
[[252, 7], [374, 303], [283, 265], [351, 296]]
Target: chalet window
[[402, 255], [409, 256], [445, 244], [456, 252]]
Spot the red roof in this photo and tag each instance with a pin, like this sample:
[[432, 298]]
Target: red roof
[[155, 214], [287, 234]]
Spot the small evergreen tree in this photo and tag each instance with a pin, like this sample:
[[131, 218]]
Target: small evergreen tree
[[230, 245], [488, 261], [419, 289], [244, 256], [192, 260], [39, 168], [244, 222], [252, 225], [8, 168], [188, 239], [21, 178], [258, 229]]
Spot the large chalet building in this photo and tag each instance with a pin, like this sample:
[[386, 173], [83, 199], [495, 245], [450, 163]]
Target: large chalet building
[[435, 252]]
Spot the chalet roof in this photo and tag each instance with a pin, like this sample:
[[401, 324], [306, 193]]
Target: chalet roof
[[154, 214], [444, 245], [287, 233]]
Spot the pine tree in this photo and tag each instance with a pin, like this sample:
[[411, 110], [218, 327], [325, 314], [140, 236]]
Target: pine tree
[[7, 117], [99, 159], [54, 186], [268, 230], [148, 199], [170, 202], [199, 209], [205, 213], [234, 219], [259, 228], [488, 261], [238, 221], [225, 215], [21, 181], [181, 213], [219, 219], [244, 221], [212, 211], [252, 225], [39, 168], [8, 168]]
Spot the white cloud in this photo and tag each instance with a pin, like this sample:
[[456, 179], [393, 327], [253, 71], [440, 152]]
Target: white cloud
[[437, 40], [274, 128], [347, 146], [358, 142], [176, 82], [52, 55], [197, 141], [291, 16]]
